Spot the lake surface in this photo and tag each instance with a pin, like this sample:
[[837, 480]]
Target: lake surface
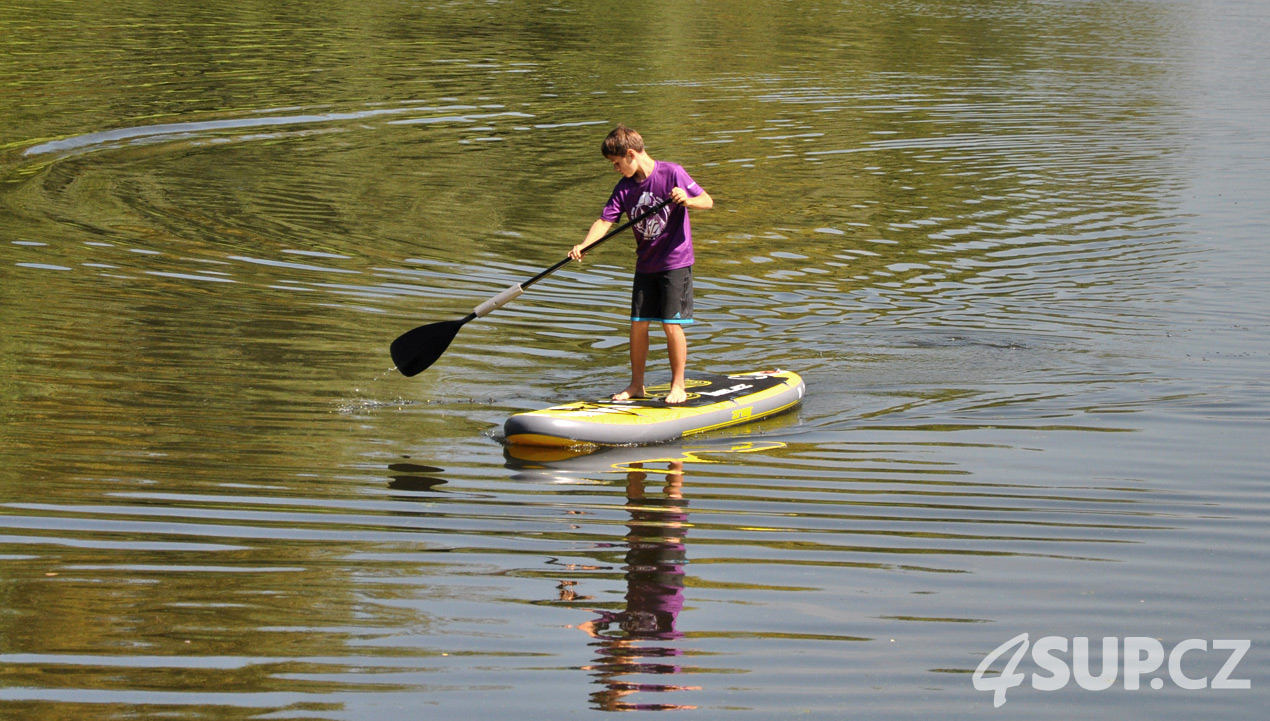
[[1017, 250]]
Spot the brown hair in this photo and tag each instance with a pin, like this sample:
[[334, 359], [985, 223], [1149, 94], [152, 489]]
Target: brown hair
[[621, 140]]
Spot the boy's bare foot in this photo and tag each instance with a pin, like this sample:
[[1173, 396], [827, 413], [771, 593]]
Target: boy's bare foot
[[630, 392], [677, 394]]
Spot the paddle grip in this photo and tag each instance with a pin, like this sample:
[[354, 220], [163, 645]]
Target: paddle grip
[[498, 301]]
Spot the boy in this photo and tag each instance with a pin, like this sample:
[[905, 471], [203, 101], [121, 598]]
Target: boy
[[662, 289]]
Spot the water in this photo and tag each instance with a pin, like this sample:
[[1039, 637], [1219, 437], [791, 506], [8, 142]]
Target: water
[[1016, 250]]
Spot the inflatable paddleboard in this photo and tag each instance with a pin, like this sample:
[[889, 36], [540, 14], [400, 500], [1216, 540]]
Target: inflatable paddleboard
[[714, 401]]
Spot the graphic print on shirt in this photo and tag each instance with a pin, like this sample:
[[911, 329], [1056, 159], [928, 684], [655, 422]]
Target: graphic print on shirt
[[652, 226]]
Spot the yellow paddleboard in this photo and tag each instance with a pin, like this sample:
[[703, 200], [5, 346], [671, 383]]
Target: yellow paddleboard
[[714, 401]]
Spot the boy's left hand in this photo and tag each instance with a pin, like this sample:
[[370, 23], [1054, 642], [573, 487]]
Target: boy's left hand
[[679, 196]]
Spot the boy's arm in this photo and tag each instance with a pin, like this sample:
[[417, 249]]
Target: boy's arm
[[701, 201], [597, 231]]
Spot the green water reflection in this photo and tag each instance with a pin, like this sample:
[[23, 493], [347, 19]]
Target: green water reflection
[[963, 223]]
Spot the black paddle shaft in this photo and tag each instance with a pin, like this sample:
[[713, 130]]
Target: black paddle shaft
[[610, 234], [415, 350]]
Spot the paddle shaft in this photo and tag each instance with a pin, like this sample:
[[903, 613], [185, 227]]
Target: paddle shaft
[[606, 236], [416, 350], [514, 291]]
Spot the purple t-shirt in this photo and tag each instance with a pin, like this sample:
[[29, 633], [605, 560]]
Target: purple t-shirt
[[663, 241]]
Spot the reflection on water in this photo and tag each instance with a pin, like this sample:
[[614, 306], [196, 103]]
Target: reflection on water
[[639, 640], [1014, 248], [407, 477]]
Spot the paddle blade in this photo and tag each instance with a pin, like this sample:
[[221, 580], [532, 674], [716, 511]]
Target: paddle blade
[[415, 350]]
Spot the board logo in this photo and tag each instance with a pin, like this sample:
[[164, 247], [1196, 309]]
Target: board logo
[[758, 376], [727, 391]]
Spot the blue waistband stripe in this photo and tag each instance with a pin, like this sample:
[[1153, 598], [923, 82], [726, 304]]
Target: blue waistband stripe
[[674, 321]]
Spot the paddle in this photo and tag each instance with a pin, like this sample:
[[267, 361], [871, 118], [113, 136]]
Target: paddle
[[415, 350]]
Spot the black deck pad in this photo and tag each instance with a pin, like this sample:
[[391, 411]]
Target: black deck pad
[[703, 389]]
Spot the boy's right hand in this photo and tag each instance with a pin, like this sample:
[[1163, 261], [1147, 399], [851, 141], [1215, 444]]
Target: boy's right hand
[[593, 236]]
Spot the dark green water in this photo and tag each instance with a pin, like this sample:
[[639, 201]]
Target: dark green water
[[1016, 250]]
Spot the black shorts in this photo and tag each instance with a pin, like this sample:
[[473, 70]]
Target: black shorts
[[664, 297]]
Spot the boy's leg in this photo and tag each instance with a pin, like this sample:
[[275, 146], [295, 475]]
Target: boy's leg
[[677, 349], [677, 310], [639, 358]]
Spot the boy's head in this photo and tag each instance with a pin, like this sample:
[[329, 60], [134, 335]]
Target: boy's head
[[621, 140]]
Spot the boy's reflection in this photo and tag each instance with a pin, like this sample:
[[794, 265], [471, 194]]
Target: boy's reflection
[[638, 640]]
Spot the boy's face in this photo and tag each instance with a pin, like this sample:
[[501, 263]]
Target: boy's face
[[624, 164]]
